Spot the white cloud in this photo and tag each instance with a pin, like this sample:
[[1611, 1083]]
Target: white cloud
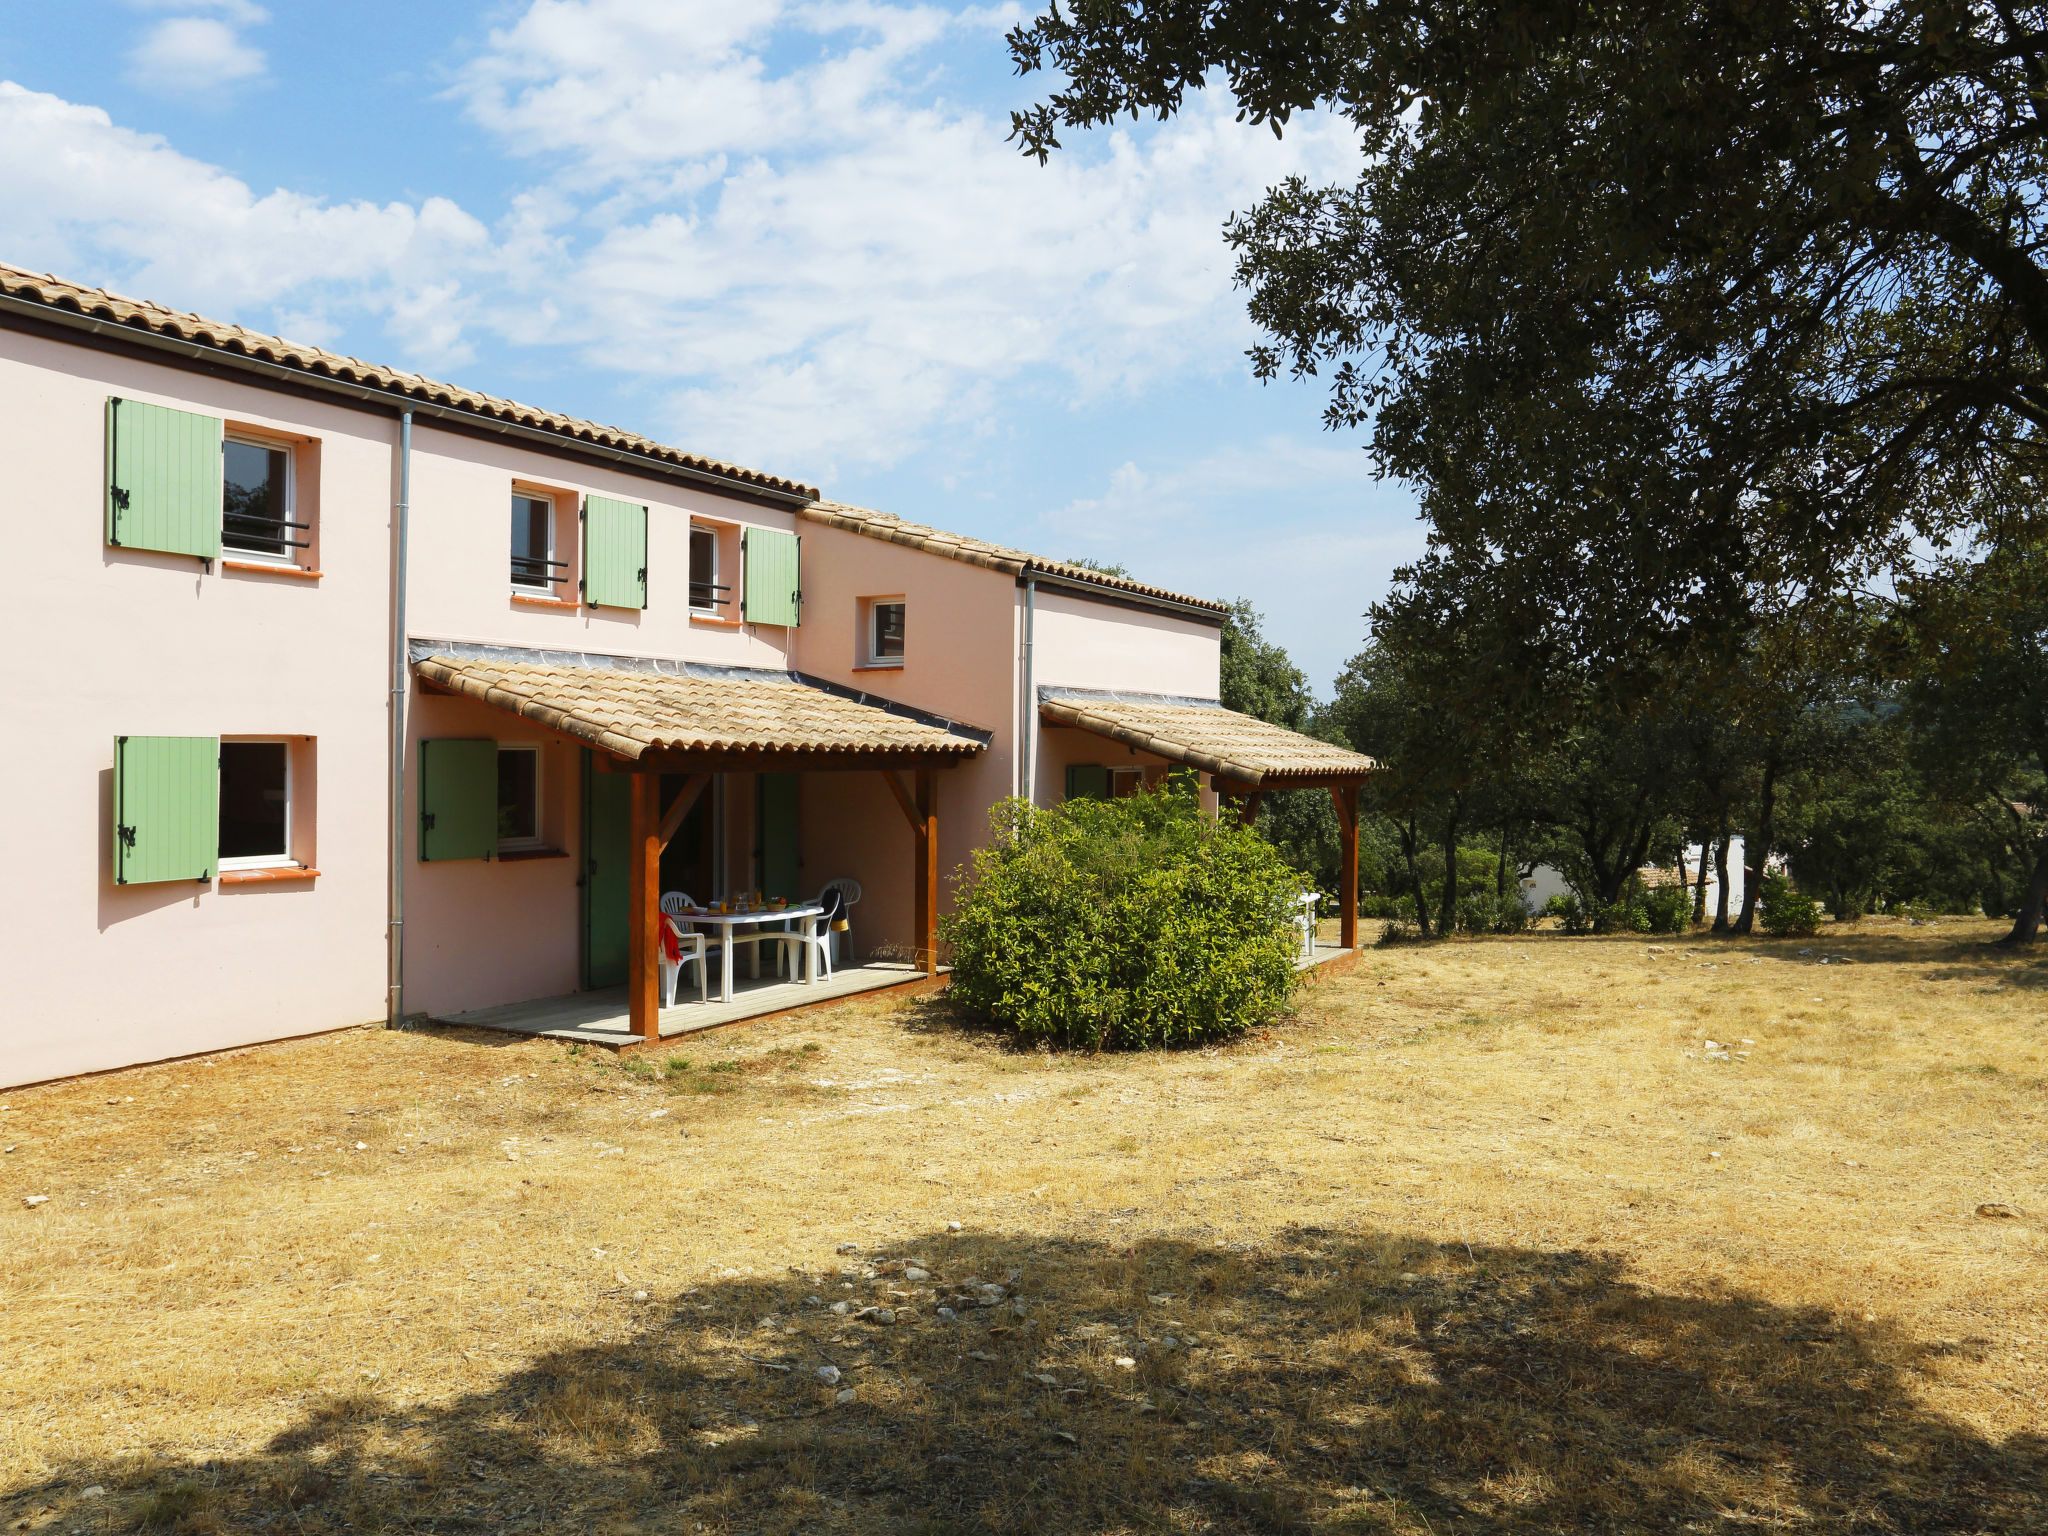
[[829, 262], [86, 196], [192, 55], [768, 214]]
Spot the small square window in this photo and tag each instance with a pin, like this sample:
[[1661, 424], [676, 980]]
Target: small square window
[[257, 499], [518, 798], [534, 566], [255, 804], [707, 595], [885, 632]]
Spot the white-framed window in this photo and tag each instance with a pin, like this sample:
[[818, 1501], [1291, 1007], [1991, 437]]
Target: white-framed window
[[255, 803], [535, 570], [882, 644], [707, 593], [519, 824], [259, 498]]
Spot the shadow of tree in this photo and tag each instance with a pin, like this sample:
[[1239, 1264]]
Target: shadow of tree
[[1358, 1382]]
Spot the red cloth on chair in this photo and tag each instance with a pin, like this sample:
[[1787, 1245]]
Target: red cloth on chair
[[671, 941]]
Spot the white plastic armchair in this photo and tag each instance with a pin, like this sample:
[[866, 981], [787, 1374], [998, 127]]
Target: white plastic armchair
[[1305, 920], [691, 950], [849, 889]]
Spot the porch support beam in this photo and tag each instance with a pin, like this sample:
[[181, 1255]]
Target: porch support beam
[[926, 902], [903, 800], [1248, 808], [643, 908], [672, 823], [1346, 797]]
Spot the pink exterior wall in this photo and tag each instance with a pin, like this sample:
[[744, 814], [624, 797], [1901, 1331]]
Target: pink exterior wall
[[959, 661], [459, 586], [103, 642]]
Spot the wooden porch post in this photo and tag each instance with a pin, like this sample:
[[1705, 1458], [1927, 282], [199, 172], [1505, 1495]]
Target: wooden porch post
[[1248, 807], [643, 908], [1346, 796], [926, 903]]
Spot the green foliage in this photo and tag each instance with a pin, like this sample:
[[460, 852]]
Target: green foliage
[[1117, 924], [1667, 909], [1571, 916], [1786, 910]]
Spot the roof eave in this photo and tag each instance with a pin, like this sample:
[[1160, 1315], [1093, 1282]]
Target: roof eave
[[395, 400]]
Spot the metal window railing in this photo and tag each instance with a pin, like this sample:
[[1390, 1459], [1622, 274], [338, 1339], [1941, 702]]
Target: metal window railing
[[533, 571], [704, 594], [242, 530]]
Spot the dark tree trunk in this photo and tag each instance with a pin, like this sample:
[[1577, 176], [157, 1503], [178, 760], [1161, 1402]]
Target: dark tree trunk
[[2026, 924], [1756, 846], [1721, 876], [1500, 869], [1699, 887], [1410, 846], [1447, 917]]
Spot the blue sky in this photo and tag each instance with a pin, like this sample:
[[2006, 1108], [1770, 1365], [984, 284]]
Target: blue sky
[[785, 234]]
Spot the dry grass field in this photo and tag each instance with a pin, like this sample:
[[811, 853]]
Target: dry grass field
[[1484, 1239]]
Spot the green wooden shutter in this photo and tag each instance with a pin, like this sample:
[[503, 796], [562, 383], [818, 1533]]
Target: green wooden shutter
[[607, 859], [614, 552], [166, 808], [458, 799], [1087, 781], [163, 479], [780, 864], [774, 577]]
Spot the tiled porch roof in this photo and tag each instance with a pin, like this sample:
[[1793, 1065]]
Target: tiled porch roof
[[1205, 735], [629, 707]]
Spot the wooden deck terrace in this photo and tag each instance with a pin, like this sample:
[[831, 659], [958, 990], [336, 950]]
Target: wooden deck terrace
[[601, 1018]]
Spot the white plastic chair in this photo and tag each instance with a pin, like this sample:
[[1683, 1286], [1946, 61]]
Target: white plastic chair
[[694, 950], [849, 888], [1306, 921]]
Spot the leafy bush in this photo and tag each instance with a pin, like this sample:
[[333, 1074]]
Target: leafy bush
[[1668, 909], [1570, 916], [1124, 923], [1784, 910]]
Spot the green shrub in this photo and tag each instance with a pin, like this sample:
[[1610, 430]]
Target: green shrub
[[1784, 910], [1570, 916], [1668, 909], [1124, 923]]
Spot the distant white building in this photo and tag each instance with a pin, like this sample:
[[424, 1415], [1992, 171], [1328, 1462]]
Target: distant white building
[[1546, 880]]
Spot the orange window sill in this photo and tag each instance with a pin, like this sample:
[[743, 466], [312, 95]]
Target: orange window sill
[[264, 568], [519, 855], [265, 876], [878, 666], [543, 602], [715, 621]]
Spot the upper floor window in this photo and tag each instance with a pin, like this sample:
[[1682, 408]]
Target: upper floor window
[[707, 593], [257, 499], [534, 566], [885, 632]]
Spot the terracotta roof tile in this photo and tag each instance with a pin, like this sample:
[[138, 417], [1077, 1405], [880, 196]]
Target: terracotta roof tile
[[995, 557], [1206, 736], [630, 710], [41, 288]]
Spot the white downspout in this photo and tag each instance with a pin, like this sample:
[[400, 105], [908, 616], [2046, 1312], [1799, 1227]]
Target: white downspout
[[401, 684], [1029, 745]]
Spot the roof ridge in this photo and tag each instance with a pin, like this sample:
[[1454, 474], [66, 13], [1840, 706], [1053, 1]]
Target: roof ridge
[[188, 326], [985, 552]]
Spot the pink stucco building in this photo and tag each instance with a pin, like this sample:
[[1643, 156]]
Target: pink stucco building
[[338, 695]]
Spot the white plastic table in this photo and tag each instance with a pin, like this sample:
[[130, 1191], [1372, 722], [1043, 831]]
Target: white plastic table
[[729, 923]]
